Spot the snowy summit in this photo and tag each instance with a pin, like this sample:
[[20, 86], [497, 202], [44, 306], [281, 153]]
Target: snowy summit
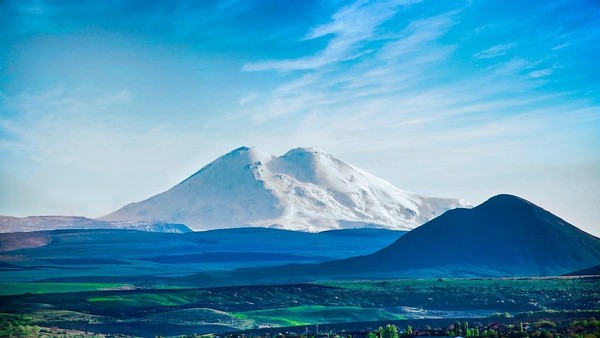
[[305, 189]]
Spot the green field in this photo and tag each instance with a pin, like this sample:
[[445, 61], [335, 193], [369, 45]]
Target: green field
[[17, 288], [141, 300], [315, 314]]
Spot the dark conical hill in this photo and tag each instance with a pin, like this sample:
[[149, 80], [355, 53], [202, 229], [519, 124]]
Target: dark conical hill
[[506, 234]]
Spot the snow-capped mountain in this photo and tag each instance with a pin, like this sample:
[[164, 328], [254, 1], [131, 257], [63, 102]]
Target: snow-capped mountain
[[38, 223], [305, 189]]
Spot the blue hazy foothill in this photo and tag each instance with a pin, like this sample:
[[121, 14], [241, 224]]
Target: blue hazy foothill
[[74, 253]]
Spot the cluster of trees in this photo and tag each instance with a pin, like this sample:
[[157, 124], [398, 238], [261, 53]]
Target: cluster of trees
[[587, 324], [17, 326], [390, 331], [538, 329], [463, 329]]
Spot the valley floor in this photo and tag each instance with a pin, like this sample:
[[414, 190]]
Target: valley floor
[[162, 310]]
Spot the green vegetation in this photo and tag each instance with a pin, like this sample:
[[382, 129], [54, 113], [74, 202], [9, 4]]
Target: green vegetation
[[505, 294], [314, 314], [202, 316], [17, 326], [20, 326], [142, 300], [390, 331], [244, 307], [18, 288], [537, 329]]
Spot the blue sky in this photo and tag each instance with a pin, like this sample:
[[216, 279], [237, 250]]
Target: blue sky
[[103, 103]]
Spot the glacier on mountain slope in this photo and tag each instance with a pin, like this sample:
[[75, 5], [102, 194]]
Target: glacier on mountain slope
[[305, 189]]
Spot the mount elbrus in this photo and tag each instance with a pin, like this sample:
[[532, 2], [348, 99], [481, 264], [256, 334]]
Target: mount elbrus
[[305, 189]]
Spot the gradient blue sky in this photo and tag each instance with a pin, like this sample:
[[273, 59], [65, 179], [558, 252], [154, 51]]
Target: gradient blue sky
[[103, 103]]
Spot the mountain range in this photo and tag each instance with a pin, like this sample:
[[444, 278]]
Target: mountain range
[[305, 189], [505, 236], [37, 223]]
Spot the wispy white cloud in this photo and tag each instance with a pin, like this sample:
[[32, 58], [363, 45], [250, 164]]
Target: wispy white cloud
[[495, 51], [401, 64], [416, 35], [350, 27], [561, 46], [248, 99], [541, 72]]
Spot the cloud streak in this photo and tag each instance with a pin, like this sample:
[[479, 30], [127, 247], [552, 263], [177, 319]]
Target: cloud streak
[[495, 51], [351, 28]]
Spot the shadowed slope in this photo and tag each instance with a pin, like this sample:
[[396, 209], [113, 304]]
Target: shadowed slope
[[504, 236]]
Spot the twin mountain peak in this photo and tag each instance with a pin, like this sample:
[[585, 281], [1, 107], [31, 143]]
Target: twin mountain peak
[[305, 189]]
